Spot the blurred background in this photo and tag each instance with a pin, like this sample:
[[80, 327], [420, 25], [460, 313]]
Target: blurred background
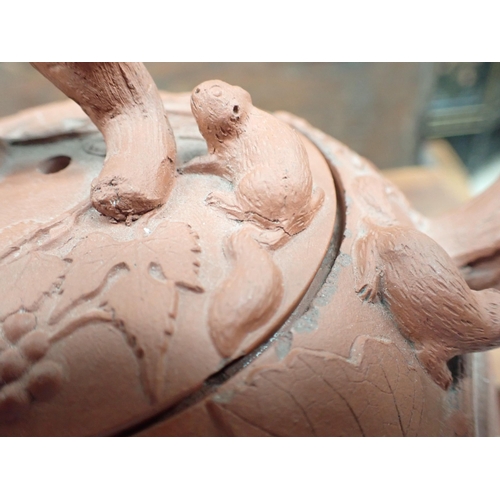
[[384, 111], [433, 128], [347, 100]]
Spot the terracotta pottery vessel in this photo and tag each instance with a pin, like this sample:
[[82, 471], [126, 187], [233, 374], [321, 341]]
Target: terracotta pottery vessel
[[190, 265]]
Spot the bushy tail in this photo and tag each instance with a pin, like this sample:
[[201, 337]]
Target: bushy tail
[[249, 295]]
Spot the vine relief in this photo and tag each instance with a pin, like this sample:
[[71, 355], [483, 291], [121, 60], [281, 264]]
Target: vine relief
[[69, 275], [133, 285]]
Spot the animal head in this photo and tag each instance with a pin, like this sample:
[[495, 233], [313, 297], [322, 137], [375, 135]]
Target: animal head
[[220, 109]]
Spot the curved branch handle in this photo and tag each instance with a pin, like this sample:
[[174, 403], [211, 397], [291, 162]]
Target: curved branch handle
[[123, 102]]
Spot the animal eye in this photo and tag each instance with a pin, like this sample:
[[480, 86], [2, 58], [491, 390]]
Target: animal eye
[[216, 91], [236, 109]]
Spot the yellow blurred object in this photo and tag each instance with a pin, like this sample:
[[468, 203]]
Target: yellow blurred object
[[441, 184]]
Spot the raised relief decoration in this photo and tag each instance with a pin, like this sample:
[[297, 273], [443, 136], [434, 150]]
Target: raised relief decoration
[[268, 167], [407, 272], [245, 300], [129, 284], [216, 272], [157, 278], [261, 156], [123, 102], [413, 276]]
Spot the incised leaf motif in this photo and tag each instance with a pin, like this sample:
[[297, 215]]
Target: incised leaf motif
[[136, 281]]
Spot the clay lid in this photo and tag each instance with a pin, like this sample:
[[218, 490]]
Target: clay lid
[[105, 324]]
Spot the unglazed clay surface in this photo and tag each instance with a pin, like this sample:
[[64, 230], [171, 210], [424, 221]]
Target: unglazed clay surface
[[471, 236], [428, 298], [343, 367], [123, 102], [104, 324], [273, 184], [268, 282], [232, 314]]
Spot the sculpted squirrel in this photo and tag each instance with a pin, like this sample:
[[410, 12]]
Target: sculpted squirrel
[[262, 156], [427, 296], [248, 297]]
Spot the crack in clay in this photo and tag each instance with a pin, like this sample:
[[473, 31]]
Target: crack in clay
[[353, 413], [394, 400], [272, 221], [294, 399], [216, 380], [354, 358], [412, 405], [249, 213], [252, 424]]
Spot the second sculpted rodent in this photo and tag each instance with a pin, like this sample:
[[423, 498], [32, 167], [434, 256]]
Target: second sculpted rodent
[[428, 298], [263, 157]]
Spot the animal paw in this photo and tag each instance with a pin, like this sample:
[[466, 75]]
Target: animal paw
[[274, 238], [225, 202], [367, 271], [368, 293], [436, 367]]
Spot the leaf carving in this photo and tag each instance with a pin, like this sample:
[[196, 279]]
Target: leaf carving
[[24, 281], [377, 391], [136, 281]]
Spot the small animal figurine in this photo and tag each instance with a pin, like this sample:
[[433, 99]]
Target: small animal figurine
[[427, 296], [261, 156], [248, 296]]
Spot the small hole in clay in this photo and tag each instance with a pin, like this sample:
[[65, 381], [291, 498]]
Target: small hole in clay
[[236, 109], [197, 91], [457, 368], [54, 164]]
